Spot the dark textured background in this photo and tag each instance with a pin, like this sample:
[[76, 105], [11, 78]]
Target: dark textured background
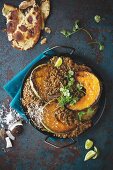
[[30, 151]]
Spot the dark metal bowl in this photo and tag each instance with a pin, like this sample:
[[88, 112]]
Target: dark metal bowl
[[102, 100]]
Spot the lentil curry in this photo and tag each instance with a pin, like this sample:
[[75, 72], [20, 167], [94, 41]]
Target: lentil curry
[[61, 98]]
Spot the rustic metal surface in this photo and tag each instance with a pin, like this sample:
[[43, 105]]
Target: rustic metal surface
[[30, 151]]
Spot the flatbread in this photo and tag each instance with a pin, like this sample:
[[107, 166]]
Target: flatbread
[[23, 27]]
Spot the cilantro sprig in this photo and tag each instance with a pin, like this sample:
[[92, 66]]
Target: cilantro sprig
[[89, 111], [79, 87], [75, 29], [66, 91]]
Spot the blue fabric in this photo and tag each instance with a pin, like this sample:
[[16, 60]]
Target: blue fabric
[[13, 87]]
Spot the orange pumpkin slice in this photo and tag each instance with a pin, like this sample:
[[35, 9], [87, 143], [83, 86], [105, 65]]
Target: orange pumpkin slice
[[49, 120], [92, 86]]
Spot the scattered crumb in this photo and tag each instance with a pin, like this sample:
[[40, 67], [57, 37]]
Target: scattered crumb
[[4, 30], [42, 37], [2, 133], [8, 116], [4, 150], [47, 30], [43, 41]]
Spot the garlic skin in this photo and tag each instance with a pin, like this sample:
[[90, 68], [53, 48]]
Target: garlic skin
[[9, 134], [8, 142], [16, 128], [12, 126]]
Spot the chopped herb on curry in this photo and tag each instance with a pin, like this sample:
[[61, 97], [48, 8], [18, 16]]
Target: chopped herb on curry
[[89, 111], [71, 92]]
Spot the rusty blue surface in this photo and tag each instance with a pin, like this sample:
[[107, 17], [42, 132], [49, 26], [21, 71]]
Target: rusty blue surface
[[30, 151]]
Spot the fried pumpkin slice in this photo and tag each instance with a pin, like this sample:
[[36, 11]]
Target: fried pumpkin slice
[[37, 78], [92, 86], [51, 123]]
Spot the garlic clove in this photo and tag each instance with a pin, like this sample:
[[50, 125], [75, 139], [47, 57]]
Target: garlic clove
[[9, 134], [8, 142]]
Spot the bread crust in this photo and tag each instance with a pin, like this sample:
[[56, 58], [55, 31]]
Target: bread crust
[[45, 8]]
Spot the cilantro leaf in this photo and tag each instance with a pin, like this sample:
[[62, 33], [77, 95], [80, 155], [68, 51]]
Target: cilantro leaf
[[66, 91], [97, 18], [101, 47], [76, 26], [79, 86], [89, 111], [80, 114]]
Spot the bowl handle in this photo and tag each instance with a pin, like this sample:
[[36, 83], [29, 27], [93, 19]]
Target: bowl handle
[[61, 46], [59, 146]]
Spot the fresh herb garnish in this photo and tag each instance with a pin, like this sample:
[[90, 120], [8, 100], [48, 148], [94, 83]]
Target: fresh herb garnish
[[67, 96], [100, 45], [81, 113], [75, 29], [70, 73], [90, 110], [79, 86], [97, 18]]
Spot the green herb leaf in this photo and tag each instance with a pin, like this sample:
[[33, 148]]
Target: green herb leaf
[[79, 86], [90, 110], [68, 33], [67, 96], [63, 32], [97, 18], [101, 47], [76, 26], [74, 100], [80, 114], [71, 73], [75, 29]]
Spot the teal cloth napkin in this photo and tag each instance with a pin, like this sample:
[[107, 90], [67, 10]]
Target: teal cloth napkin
[[13, 87]]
